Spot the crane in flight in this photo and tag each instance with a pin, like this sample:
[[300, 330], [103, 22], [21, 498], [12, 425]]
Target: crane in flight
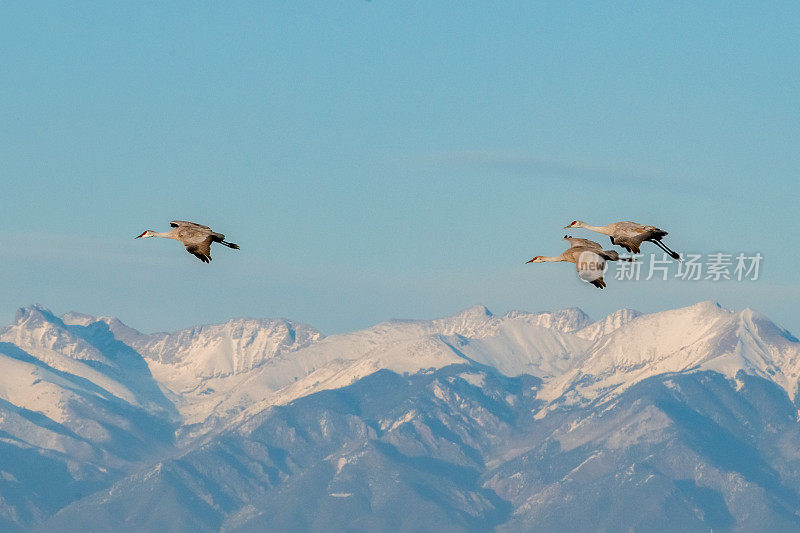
[[575, 241], [629, 235], [195, 237], [588, 257]]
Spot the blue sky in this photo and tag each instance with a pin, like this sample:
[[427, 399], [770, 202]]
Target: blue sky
[[389, 159]]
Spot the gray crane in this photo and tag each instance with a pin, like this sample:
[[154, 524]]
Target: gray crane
[[196, 237], [629, 235], [576, 242], [589, 261]]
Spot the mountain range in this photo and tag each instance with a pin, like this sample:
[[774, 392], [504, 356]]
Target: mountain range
[[682, 419]]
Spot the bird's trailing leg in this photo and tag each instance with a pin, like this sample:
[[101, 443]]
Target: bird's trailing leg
[[229, 245], [673, 254]]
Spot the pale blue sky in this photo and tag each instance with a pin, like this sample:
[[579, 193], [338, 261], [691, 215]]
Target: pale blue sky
[[389, 159]]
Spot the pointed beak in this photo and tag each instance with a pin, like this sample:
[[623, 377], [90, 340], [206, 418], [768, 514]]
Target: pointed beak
[[531, 261], [567, 227], [141, 235]]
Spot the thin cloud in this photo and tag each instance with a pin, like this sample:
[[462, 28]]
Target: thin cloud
[[526, 165]]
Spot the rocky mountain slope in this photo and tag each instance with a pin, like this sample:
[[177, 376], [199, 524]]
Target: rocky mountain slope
[[472, 422]]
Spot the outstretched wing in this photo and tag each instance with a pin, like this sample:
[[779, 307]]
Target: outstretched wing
[[634, 242], [179, 223], [609, 255], [586, 243], [631, 244], [201, 249]]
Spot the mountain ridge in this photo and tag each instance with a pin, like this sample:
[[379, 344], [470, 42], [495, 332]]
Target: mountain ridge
[[115, 403]]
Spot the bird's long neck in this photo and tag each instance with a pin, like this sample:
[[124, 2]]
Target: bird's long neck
[[605, 230], [555, 259], [164, 234]]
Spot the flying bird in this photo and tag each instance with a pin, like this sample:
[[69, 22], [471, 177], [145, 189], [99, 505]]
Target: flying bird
[[589, 261], [196, 237], [630, 235], [575, 242]]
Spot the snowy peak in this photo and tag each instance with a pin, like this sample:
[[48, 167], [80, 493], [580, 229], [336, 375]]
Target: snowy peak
[[476, 321], [200, 368], [212, 371], [767, 329], [215, 350], [86, 352], [235, 347], [38, 329], [74, 391], [566, 320], [478, 311], [703, 336], [763, 349], [608, 324], [687, 335], [120, 331]]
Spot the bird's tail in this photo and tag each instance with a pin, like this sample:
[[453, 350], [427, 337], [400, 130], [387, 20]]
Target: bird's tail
[[230, 245], [599, 283]]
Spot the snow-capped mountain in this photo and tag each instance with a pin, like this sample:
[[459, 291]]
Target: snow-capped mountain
[[701, 337], [239, 425]]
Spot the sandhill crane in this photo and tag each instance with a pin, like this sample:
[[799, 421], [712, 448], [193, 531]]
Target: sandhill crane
[[590, 262], [196, 237], [629, 235], [575, 242]]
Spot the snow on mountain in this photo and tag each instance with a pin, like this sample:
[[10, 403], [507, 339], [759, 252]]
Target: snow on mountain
[[457, 449], [235, 347], [762, 349], [90, 352], [212, 373], [520, 345], [566, 320], [199, 367], [478, 321], [94, 400], [77, 409], [608, 324], [535, 343], [700, 337]]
